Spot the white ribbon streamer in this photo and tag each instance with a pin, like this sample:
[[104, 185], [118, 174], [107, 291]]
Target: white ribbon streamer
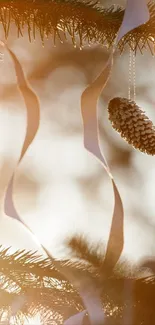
[[136, 14]]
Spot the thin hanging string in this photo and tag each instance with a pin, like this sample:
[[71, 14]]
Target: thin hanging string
[[132, 75]]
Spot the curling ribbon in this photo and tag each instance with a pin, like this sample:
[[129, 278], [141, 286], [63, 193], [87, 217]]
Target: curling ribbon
[[76, 319], [33, 118], [136, 14]]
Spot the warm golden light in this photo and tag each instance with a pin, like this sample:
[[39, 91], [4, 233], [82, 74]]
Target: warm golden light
[[33, 321]]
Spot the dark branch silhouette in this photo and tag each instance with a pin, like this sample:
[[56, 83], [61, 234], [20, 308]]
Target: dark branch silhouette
[[87, 20], [30, 284]]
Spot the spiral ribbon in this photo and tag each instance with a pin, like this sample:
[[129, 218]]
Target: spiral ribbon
[[136, 14]]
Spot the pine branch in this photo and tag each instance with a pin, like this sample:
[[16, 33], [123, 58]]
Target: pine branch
[[94, 256], [29, 276], [83, 20], [27, 262], [82, 251], [47, 301], [27, 287], [115, 299]]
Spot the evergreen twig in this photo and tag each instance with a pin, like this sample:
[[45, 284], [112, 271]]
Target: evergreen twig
[[84, 20], [27, 277]]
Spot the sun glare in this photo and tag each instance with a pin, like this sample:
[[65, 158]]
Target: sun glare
[[33, 321]]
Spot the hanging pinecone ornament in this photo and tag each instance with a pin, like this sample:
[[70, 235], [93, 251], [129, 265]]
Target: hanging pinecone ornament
[[131, 122]]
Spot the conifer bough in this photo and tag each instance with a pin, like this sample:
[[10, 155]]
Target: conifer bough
[[88, 20], [32, 285]]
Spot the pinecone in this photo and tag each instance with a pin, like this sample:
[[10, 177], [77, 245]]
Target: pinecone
[[132, 123]]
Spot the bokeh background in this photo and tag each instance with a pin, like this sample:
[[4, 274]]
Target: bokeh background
[[60, 189]]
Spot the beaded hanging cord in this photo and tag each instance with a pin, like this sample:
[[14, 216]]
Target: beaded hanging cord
[[132, 75], [129, 119]]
